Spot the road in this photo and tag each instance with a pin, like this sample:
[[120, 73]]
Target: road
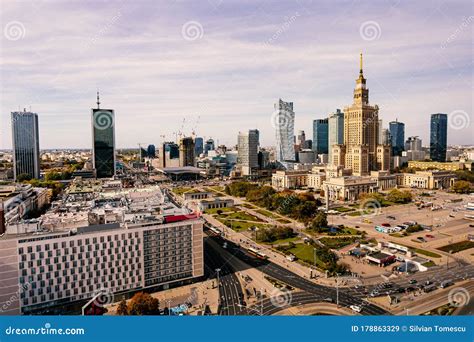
[[315, 292], [230, 289]]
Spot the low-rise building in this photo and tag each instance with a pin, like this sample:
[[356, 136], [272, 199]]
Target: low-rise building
[[196, 195], [217, 202], [384, 179], [348, 188], [315, 180], [289, 179], [448, 166], [429, 179]]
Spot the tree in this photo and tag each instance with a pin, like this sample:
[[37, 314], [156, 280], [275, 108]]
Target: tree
[[122, 309], [52, 175], [398, 196], [23, 177], [319, 222], [461, 187], [143, 304]]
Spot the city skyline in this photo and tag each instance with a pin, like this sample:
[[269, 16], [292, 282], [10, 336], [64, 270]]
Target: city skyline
[[415, 71]]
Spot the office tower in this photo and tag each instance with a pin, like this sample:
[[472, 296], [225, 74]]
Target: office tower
[[209, 146], [248, 151], [103, 141], [169, 155], [413, 144], [25, 136], [198, 146], [413, 149], [320, 136], [263, 159], [186, 152], [397, 132], [307, 156], [335, 131], [151, 151], [438, 137], [284, 123], [361, 130], [386, 137], [301, 139]]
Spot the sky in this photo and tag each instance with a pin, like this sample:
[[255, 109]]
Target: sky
[[217, 67]]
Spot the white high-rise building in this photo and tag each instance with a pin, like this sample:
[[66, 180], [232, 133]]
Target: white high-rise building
[[284, 122], [248, 151]]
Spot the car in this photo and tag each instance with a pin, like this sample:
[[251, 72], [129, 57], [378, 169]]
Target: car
[[430, 236], [421, 238], [428, 282], [391, 217], [413, 281], [471, 225], [328, 299], [357, 226], [446, 284], [355, 308], [385, 224]]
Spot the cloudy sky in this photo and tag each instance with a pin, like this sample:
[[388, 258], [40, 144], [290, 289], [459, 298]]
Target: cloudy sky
[[218, 66]]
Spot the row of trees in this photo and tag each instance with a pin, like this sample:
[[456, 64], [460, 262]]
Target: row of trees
[[302, 206], [274, 233]]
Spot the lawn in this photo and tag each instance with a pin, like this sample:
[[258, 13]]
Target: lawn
[[282, 241], [267, 213], [240, 215], [181, 190], [336, 243], [224, 210], [240, 225], [457, 247], [248, 206], [343, 209], [284, 221]]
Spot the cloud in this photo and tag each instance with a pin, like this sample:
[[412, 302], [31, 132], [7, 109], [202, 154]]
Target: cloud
[[250, 54]]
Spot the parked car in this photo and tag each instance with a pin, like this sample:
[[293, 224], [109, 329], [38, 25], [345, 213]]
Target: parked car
[[421, 238], [413, 281], [385, 224], [446, 283], [391, 217], [430, 236]]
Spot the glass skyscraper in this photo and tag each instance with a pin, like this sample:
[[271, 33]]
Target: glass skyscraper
[[198, 146], [335, 131], [320, 136], [438, 137], [25, 141], [397, 133], [103, 141], [283, 120]]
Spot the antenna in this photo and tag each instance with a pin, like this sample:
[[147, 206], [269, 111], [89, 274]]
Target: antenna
[[98, 99]]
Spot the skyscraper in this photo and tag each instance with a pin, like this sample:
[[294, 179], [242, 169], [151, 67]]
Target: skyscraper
[[151, 151], [320, 136], [284, 122], [335, 131], [301, 139], [209, 146], [25, 136], [186, 151], [361, 151], [198, 146], [438, 137], [397, 132], [248, 151], [103, 141]]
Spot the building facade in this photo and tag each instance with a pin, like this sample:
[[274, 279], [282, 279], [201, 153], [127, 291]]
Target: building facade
[[429, 179], [335, 131], [248, 143], [103, 142], [186, 151], [198, 146], [25, 142], [320, 136], [348, 188], [284, 122], [397, 134], [289, 179], [438, 137], [361, 130], [49, 270]]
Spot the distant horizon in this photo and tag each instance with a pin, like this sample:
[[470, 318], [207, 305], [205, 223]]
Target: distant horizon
[[218, 68]]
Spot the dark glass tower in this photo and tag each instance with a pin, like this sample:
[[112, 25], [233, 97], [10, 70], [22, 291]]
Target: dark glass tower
[[198, 146], [397, 134], [103, 141], [320, 136], [438, 137], [25, 136]]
